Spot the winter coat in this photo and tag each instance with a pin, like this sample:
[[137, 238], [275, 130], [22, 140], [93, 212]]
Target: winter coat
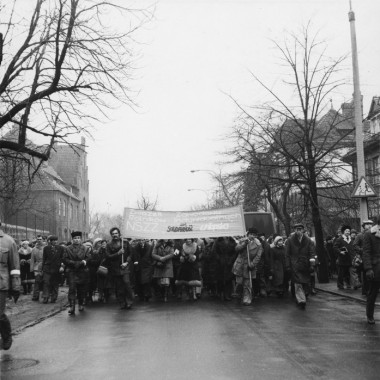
[[344, 250], [115, 260], [73, 256], [9, 263], [242, 267], [145, 266], [36, 259], [297, 258], [52, 258], [278, 265], [371, 251], [166, 251], [24, 256], [189, 269], [224, 248], [209, 264]]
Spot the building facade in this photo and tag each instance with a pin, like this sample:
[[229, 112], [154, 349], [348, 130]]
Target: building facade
[[57, 200], [371, 144]]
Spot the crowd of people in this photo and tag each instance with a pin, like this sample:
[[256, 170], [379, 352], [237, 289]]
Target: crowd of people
[[226, 267]]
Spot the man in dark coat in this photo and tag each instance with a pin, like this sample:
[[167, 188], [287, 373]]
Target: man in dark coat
[[52, 259], [75, 259], [118, 254], [371, 266], [344, 248], [299, 250], [358, 248]]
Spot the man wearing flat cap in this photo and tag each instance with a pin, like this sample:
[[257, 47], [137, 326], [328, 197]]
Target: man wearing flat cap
[[52, 258], [299, 250], [75, 259]]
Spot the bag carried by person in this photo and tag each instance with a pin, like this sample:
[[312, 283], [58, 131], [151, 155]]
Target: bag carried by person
[[102, 269]]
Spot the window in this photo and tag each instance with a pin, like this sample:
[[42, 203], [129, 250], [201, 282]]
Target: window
[[71, 211], [59, 206], [64, 208]]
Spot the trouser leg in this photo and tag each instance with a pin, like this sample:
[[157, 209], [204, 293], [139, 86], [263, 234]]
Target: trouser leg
[[299, 293], [373, 290], [128, 291], [46, 285], [340, 283], [247, 291], [5, 325], [37, 286]]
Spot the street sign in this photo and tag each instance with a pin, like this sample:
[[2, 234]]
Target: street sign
[[363, 189]]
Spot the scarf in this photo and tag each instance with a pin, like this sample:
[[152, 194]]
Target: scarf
[[189, 249], [347, 239]]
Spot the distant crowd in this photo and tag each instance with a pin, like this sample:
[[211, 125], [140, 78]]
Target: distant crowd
[[224, 267], [243, 268]]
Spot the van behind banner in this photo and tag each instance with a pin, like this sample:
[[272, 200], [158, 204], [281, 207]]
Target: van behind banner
[[144, 224]]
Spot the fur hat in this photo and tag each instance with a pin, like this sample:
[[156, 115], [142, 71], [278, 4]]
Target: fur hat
[[276, 239], [97, 240], [298, 225], [52, 237], [76, 233], [252, 230]]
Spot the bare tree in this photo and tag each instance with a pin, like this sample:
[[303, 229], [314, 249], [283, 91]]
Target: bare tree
[[145, 203], [62, 67], [296, 145]]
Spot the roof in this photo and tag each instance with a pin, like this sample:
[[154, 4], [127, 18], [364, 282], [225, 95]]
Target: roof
[[67, 161], [48, 180], [374, 108]]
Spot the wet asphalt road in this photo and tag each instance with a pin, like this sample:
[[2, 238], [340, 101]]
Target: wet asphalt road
[[207, 339]]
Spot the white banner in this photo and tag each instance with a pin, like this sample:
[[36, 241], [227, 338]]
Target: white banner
[[143, 224]]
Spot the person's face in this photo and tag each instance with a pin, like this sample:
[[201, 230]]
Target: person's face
[[251, 236], [189, 241], [104, 244], [367, 226], [115, 235], [347, 231], [53, 242], [39, 242], [280, 243], [77, 240], [299, 231]]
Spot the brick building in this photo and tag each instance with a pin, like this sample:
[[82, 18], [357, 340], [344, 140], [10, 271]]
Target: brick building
[[57, 200]]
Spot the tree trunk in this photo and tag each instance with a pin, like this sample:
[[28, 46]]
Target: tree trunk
[[323, 276]]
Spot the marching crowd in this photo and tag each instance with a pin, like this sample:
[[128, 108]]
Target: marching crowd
[[225, 267]]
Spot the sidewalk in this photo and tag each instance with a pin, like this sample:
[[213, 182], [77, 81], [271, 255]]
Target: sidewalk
[[26, 313], [332, 288]]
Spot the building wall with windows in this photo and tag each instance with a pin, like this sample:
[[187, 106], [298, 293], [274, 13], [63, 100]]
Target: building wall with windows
[[57, 203], [371, 143]]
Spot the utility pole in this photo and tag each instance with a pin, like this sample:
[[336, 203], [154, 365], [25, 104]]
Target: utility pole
[[358, 113]]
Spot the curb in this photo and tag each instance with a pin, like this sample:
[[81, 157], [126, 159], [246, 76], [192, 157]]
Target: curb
[[354, 298]]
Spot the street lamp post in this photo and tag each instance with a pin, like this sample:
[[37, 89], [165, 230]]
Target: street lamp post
[[215, 175]]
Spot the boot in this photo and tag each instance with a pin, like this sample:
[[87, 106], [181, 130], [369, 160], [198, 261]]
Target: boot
[[72, 308], [6, 332], [81, 305]]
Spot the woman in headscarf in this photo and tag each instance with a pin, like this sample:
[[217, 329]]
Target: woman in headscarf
[[277, 266]]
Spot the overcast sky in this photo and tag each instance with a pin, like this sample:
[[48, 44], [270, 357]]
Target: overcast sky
[[192, 53]]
